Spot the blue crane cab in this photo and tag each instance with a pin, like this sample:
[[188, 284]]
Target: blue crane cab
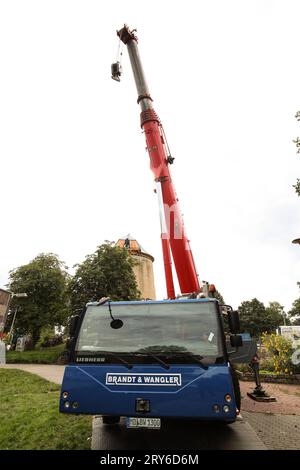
[[151, 360]]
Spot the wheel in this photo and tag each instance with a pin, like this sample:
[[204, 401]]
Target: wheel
[[236, 388], [110, 419]]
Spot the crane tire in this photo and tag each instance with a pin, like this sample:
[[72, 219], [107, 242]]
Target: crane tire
[[236, 388]]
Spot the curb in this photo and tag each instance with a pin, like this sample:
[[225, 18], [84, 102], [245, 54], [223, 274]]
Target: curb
[[272, 378]]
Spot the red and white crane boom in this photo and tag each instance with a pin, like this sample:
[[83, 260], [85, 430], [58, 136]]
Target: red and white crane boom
[[173, 234]]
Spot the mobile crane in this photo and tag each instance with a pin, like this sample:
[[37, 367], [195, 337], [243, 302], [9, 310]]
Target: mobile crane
[[152, 360]]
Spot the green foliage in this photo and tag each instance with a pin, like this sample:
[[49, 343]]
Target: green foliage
[[297, 186], [37, 356], [106, 273], [47, 332], [252, 314], [219, 297], [294, 313], [280, 350], [30, 419], [48, 338], [44, 280], [243, 368], [276, 315], [256, 319]]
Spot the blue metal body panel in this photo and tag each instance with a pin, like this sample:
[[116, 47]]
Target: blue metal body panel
[[192, 396]]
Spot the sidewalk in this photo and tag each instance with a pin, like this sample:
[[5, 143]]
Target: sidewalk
[[277, 424], [53, 373], [287, 396], [277, 431]]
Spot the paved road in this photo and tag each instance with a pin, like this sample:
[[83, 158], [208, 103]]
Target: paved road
[[174, 434], [278, 432]]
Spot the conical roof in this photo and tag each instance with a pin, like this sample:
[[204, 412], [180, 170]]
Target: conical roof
[[131, 243]]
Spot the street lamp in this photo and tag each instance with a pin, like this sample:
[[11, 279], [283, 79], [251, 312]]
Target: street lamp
[[19, 295]]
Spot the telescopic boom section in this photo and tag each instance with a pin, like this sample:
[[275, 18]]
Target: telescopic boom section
[[159, 164]]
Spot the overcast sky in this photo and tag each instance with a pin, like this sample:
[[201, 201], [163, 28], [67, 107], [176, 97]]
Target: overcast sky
[[225, 79]]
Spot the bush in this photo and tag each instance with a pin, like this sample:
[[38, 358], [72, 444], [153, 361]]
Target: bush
[[266, 365], [244, 368], [55, 341], [37, 356], [4, 337], [48, 338], [280, 350]]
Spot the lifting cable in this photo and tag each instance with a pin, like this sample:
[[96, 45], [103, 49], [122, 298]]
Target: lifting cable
[[120, 52], [168, 151]]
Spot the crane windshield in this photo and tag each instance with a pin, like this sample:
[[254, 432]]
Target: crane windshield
[[167, 328]]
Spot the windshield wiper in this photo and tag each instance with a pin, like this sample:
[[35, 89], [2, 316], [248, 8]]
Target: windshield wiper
[[109, 353], [193, 356], [158, 359]]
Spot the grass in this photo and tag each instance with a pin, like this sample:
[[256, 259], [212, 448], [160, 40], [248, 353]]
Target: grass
[[267, 372], [30, 419], [36, 356]]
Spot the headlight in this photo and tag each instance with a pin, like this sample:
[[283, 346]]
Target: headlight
[[228, 398], [67, 404], [75, 404], [65, 395], [226, 408], [216, 408]]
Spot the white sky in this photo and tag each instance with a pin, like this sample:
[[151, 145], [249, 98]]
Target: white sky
[[225, 79]]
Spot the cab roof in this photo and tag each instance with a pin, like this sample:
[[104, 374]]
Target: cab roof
[[144, 302]]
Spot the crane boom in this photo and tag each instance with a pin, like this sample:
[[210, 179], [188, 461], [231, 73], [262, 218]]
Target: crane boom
[[175, 239]]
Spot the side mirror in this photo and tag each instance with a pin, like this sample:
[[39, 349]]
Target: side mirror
[[73, 325], [234, 321], [236, 341]]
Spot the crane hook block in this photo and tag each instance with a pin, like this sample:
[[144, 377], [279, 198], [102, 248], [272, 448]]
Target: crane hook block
[[116, 71]]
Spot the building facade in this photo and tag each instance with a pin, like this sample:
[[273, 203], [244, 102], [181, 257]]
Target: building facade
[[143, 268], [4, 303]]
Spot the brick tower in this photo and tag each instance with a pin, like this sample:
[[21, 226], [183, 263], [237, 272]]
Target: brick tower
[[143, 268]]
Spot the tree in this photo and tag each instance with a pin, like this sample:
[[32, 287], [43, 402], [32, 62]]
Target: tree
[[294, 313], [44, 280], [253, 317], [297, 142], [276, 315], [106, 273], [219, 297]]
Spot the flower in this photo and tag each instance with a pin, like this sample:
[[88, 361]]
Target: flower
[[4, 337]]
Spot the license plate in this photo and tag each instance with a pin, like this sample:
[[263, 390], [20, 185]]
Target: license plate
[[150, 423]]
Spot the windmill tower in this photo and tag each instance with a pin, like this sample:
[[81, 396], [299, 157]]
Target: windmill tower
[[143, 268]]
